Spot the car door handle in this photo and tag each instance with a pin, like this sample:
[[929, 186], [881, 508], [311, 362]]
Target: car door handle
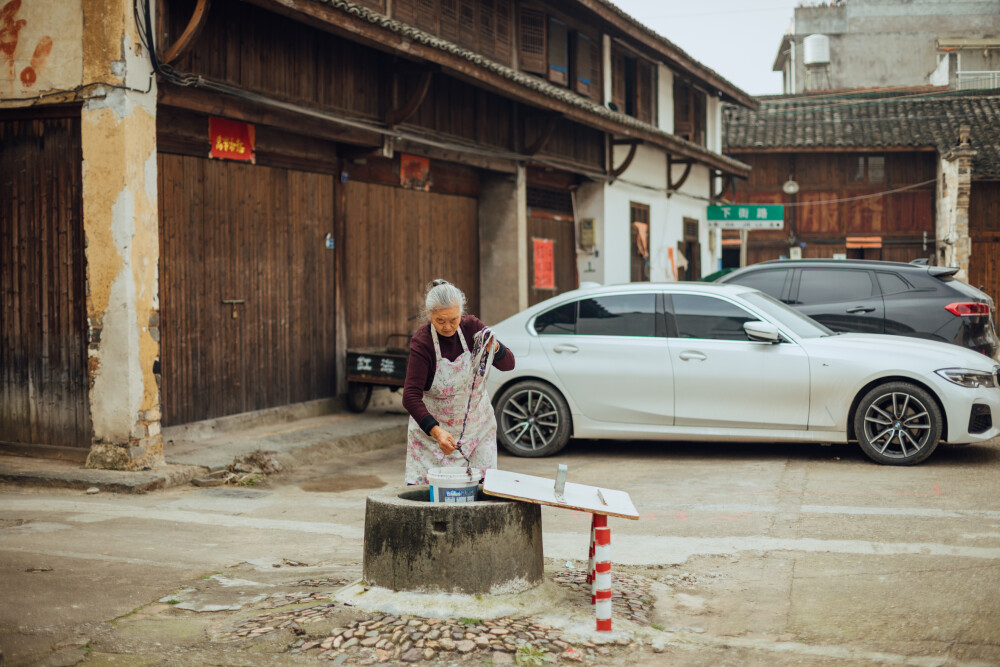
[[861, 309], [692, 355], [565, 347]]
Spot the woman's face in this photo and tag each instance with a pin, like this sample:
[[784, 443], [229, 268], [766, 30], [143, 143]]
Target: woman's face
[[446, 320]]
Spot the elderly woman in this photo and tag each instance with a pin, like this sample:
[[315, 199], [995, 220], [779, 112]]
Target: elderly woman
[[439, 378]]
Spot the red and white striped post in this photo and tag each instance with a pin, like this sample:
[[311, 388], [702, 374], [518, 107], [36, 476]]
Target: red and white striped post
[[601, 588]]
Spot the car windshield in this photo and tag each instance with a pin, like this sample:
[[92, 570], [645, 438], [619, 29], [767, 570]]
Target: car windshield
[[799, 324]]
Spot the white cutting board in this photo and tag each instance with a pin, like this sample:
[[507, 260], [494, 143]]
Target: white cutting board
[[541, 490]]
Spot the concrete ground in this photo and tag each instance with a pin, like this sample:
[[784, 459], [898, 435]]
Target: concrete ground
[[761, 554]]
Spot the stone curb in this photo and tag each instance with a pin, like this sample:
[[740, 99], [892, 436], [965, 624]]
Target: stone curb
[[53, 473], [58, 474]]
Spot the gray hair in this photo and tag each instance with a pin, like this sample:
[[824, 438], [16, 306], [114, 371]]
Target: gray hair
[[442, 294]]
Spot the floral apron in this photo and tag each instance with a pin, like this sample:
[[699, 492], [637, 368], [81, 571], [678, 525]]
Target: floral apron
[[446, 400]]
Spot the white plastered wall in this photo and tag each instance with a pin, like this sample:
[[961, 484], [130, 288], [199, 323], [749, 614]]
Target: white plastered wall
[[665, 98]]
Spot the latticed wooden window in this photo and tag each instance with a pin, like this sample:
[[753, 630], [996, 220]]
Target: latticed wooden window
[[428, 12], [503, 46], [690, 229], [531, 40], [448, 26], [467, 23]]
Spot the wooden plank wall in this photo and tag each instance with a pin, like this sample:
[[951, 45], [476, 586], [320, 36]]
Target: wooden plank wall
[[261, 51], [395, 242], [258, 50], [984, 228], [561, 232], [43, 348], [899, 218], [238, 231]]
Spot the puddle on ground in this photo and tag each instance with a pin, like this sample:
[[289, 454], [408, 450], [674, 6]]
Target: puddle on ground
[[339, 483]]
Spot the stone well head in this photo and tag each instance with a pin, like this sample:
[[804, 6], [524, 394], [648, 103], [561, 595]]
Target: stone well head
[[489, 546]]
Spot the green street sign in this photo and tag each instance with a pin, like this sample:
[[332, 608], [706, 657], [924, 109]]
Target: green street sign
[[747, 216]]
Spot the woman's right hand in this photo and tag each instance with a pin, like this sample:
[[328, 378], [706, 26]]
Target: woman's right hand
[[445, 440]]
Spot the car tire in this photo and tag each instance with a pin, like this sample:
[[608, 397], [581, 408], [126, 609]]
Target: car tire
[[533, 419], [898, 423]]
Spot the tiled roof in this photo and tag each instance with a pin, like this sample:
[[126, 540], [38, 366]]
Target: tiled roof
[[867, 119], [531, 82]]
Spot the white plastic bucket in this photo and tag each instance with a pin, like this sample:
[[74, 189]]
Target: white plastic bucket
[[453, 484]]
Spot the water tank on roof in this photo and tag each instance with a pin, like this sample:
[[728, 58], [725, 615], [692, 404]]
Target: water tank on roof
[[817, 50]]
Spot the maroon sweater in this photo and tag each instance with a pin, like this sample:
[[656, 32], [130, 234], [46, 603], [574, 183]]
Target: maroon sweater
[[421, 365]]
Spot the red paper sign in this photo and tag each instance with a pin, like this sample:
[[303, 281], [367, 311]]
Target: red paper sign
[[231, 140], [545, 268], [415, 172]]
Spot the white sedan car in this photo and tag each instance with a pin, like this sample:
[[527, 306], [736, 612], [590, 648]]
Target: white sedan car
[[694, 361]]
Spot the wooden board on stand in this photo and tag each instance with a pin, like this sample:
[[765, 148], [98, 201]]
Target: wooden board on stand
[[541, 490]]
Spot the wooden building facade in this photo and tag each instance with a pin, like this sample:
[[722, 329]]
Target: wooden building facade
[[373, 152], [894, 175]]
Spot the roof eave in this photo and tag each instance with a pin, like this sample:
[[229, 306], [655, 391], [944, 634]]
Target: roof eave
[[614, 16], [323, 15]]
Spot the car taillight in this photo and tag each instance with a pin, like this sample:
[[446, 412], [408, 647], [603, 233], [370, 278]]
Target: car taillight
[[968, 309]]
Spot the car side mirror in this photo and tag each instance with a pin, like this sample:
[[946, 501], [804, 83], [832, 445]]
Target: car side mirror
[[762, 332]]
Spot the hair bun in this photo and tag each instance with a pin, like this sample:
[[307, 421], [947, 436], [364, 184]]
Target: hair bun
[[439, 281]]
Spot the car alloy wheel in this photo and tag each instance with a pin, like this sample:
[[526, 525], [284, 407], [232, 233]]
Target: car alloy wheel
[[898, 424], [532, 419]]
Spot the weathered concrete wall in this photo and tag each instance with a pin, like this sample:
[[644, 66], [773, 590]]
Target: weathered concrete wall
[[955, 185], [477, 548], [590, 204], [503, 245], [41, 47], [878, 43], [118, 127]]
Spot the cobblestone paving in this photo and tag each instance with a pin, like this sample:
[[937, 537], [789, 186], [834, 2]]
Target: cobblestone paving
[[385, 637]]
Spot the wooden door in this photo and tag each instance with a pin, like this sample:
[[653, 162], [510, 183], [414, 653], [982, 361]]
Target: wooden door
[[43, 318], [396, 241], [252, 236], [559, 231]]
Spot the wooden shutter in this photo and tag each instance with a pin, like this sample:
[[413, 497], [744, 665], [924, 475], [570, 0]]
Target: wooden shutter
[[487, 28], [427, 15], [503, 47], [583, 81], [683, 126], [467, 24], [405, 11], [644, 91], [448, 28], [558, 71], [531, 40], [596, 65], [618, 80]]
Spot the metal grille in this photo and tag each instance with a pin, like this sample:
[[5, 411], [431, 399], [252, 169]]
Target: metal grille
[[690, 229], [550, 200], [981, 420]]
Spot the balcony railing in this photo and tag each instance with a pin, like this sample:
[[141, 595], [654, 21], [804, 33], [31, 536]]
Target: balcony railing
[[976, 80]]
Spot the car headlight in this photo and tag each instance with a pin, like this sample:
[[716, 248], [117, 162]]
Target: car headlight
[[966, 377]]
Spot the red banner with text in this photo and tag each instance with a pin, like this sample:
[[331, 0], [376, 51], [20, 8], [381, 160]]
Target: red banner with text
[[231, 140]]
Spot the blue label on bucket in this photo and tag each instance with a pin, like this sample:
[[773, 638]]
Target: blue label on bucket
[[459, 495]]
